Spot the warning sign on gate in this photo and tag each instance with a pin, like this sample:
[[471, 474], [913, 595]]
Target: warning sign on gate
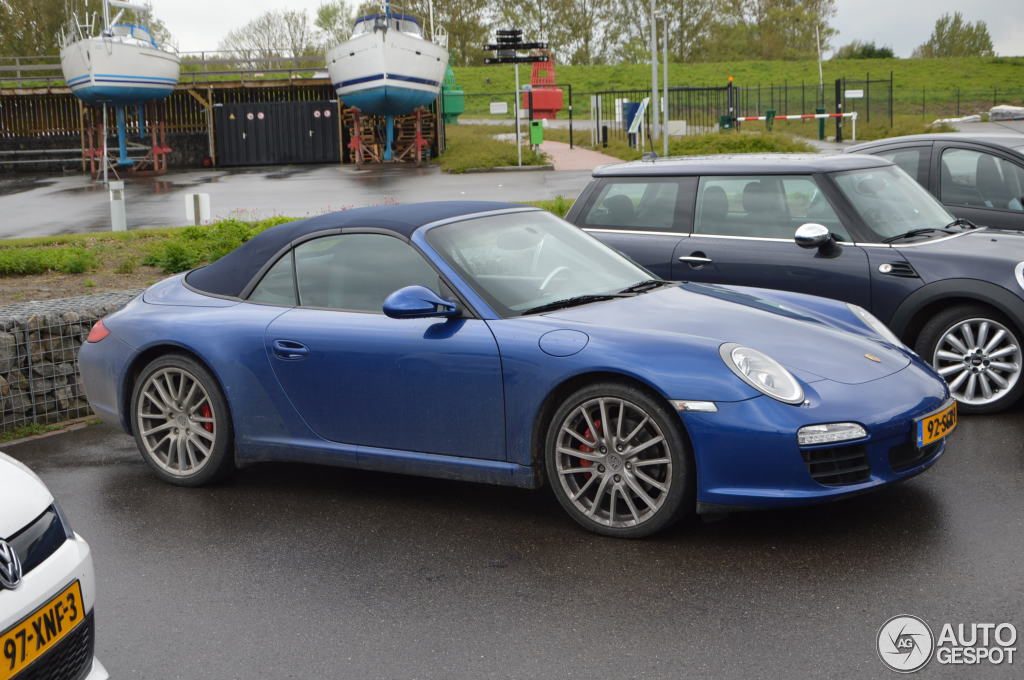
[[316, 114], [249, 116], [260, 115], [327, 113]]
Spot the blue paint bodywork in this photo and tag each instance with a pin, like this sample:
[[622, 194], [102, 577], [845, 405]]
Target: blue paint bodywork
[[121, 95], [464, 397]]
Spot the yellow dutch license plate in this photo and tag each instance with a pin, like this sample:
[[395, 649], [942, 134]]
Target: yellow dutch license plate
[[40, 631], [936, 426]]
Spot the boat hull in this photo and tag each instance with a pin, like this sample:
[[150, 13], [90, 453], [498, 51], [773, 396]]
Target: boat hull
[[105, 70], [387, 73]]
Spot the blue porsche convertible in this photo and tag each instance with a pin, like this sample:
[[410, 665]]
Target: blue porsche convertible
[[498, 343]]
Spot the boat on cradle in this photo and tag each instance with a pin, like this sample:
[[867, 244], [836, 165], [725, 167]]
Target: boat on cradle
[[121, 64], [388, 67]]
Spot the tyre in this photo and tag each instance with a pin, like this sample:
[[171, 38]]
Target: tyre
[[978, 352], [618, 462], [181, 422]]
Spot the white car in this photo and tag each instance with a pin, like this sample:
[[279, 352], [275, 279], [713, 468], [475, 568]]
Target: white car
[[47, 587]]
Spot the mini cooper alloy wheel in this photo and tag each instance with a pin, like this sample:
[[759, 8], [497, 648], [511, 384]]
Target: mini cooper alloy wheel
[[980, 359]]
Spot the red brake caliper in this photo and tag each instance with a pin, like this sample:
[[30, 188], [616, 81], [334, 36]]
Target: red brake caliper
[[587, 434], [206, 412]]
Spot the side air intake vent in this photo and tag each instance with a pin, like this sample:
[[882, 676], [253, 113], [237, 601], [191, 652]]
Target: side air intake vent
[[901, 269]]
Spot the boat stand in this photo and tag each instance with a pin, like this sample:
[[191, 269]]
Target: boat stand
[[154, 162], [363, 144], [95, 149], [411, 141]]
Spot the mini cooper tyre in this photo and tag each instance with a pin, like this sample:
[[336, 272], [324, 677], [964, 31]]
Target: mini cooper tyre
[[181, 421], [978, 352], [618, 462]]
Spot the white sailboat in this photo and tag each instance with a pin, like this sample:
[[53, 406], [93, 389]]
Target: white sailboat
[[388, 68], [121, 64]]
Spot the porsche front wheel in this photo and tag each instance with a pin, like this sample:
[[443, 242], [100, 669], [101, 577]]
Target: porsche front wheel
[[618, 462]]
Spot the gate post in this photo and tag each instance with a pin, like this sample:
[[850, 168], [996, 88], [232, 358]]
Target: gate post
[[839, 109]]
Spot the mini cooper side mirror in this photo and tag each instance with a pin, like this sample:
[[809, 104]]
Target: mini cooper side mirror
[[418, 302], [812, 235]]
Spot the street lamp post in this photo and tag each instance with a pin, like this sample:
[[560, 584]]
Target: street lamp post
[[654, 72]]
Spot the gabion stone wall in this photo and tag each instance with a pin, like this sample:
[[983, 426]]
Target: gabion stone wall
[[39, 342]]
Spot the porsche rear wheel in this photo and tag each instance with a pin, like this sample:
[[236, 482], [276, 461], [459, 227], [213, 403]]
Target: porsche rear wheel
[[181, 421], [618, 462]]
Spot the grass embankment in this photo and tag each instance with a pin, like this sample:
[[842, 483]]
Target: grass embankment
[[472, 147], [922, 87]]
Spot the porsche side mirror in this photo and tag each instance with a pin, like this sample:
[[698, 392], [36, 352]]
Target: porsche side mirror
[[418, 302], [812, 235]]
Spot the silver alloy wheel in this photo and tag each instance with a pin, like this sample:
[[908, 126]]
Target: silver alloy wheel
[[613, 462], [176, 421], [980, 359]]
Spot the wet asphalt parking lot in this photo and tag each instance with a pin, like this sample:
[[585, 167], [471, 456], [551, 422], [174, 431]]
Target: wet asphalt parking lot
[[292, 571]]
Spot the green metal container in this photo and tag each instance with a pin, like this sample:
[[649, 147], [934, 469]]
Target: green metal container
[[453, 99]]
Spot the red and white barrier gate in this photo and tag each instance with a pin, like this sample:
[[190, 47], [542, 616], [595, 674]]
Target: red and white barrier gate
[[807, 116]]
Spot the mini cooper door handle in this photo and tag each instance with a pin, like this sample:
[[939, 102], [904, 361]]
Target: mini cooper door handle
[[694, 260], [289, 349]]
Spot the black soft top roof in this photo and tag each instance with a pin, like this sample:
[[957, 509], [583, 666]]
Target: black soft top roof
[[229, 275]]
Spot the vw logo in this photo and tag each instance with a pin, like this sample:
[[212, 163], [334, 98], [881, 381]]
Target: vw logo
[[10, 567]]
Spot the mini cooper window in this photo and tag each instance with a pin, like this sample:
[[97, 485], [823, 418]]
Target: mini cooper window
[[913, 161], [768, 206], [356, 272], [277, 287], [981, 180], [890, 202], [644, 205]]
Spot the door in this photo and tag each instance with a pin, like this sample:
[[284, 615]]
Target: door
[[359, 377], [986, 188], [743, 235], [270, 133], [641, 217]]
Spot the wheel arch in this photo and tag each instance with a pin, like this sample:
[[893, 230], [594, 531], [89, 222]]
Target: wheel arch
[[141, 361], [914, 312], [573, 383]]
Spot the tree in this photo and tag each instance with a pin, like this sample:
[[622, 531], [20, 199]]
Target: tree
[[955, 37], [32, 27], [285, 33], [863, 50], [335, 19], [467, 23], [769, 29]]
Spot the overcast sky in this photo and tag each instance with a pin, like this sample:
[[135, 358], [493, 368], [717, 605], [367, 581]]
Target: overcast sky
[[900, 24]]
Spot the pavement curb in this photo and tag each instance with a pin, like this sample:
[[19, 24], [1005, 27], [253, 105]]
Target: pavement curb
[[507, 168]]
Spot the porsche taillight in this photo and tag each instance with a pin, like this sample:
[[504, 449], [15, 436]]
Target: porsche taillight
[[98, 332]]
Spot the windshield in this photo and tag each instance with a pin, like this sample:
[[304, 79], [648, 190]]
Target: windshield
[[518, 261], [890, 201]]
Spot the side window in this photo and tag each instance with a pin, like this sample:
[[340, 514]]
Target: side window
[[981, 180], [277, 287], [913, 161], [356, 272], [648, 205], [769, 206]]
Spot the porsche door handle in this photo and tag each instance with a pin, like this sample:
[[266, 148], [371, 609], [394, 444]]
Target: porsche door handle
[[694, 259], [289, 349]]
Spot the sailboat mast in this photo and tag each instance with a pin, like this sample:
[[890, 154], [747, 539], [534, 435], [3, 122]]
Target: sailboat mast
[[106, 15]]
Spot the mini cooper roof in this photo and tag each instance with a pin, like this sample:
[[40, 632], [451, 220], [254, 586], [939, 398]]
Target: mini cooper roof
[[230, 275], [1008, 141], [742, 164]]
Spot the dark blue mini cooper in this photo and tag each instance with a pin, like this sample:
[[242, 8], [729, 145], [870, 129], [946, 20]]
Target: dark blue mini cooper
[[852, 227]]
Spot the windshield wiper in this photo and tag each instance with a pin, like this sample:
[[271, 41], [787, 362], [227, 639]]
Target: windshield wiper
[[571, 302], [962, 222], [917, 232], [646, 284]]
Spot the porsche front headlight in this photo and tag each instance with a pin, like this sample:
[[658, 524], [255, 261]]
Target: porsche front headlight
[[872, 322], [761, 372]]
